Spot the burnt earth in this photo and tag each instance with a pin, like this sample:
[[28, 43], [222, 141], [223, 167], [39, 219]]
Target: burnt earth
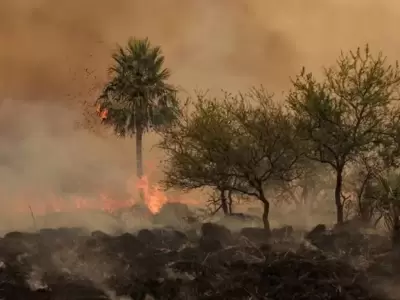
[[70, 264]]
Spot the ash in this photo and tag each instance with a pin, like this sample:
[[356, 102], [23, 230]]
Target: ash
[[205, 262]]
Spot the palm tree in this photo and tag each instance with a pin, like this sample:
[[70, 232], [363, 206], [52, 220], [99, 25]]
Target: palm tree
[[137, 98]]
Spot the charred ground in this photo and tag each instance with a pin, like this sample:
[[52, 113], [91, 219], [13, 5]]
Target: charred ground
[[202, 261]]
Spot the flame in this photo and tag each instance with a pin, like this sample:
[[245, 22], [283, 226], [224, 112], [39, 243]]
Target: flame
[[103, 113], [31, 202], [153, 196], [39, 204]]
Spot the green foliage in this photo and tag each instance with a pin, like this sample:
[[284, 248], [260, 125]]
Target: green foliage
[[347, 112], [247, 144], [137, 95], [384, 191], [196, 145], [242, 142]]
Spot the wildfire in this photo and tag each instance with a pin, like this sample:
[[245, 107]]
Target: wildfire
[[154, 198]]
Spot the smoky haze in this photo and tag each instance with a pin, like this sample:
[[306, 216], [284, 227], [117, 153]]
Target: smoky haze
[[36, 156], [54, 56], [57, 49]]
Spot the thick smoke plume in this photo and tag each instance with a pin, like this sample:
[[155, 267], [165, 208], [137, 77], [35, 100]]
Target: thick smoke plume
[[54, 56], [55, 49]]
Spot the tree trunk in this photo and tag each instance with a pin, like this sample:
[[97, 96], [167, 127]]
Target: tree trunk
[[338, 196], [139, 157], [396, 229], [224, 204], [265, 217], [265, 213], [304, 195], [230, 202]]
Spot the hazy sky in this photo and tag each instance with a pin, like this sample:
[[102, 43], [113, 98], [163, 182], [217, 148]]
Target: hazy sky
[[58, 51], [55, 48]]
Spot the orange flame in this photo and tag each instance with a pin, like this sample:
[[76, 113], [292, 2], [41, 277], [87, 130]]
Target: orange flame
[[103, 113], [154, 198]]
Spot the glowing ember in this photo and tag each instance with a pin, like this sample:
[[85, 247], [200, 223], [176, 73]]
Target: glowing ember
[[103, 113]]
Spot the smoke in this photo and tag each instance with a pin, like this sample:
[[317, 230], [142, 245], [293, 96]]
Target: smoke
[[61, 49], [54, 55]]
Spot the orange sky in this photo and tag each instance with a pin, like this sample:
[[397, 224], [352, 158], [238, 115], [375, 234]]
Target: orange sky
[[59, 51]]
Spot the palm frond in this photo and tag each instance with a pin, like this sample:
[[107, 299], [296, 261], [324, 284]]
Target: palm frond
[[137, 92]]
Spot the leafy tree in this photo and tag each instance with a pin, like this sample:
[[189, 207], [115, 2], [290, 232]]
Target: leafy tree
[[384, 190], [191, 146], [375, 172], [137, 97], [346, 113], [242, 143], [358, 178]]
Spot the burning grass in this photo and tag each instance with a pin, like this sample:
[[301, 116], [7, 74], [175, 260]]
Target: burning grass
[[38, 205]]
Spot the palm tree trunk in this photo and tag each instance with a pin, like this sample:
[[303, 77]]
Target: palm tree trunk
[[139, 158]]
